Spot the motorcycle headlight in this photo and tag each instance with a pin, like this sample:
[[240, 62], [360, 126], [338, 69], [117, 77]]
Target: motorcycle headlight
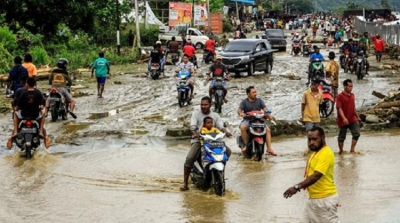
[[359, 60], [182, 83]]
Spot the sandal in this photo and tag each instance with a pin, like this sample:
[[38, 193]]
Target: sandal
[[271, 153]]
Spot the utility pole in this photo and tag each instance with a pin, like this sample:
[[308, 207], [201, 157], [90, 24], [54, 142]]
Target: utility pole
[[118, 18], [137, 23], [237, 11], [209, 16]]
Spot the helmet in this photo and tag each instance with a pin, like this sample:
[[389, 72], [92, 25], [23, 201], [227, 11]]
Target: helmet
[[218, 57], [361, 52], [158, 42], [62, 63]]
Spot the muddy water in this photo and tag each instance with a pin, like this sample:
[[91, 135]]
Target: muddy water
[[116, 181], [114, 163]]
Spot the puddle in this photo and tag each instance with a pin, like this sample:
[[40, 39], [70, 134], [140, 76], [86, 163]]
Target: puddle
[[100, 115], [73, 127]]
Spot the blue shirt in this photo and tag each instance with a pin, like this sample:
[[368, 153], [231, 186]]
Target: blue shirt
[[316, 56], [101, 66], [16, 75]]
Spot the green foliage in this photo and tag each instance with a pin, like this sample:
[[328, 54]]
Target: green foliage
[[326, 5], [227, 26], [6, 60], [148, 36], [7, 39], [39, 55], [216, 5], [301, 6]]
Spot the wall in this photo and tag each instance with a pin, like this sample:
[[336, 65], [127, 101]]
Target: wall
[[390, 33]]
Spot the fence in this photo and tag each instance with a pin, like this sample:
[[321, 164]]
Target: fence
[[390, 33]]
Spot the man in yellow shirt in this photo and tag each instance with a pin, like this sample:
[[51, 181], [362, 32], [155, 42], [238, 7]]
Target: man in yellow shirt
[[324, 199], [310, 102], [332, 72]]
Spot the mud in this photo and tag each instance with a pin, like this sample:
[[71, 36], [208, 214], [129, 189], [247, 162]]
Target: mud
[[121, 160]]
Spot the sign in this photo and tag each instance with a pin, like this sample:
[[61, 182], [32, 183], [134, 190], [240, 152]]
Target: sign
[[180, 14], [200, 14]]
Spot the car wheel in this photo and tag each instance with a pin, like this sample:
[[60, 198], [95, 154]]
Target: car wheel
[[268, 67], [250, 69], [199, 46], [283, 49]]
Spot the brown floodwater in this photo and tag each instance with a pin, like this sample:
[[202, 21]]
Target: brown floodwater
[[117, 181]]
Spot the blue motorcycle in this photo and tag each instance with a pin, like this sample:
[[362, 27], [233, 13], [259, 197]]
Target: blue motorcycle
[[183, 88], [209, 169]]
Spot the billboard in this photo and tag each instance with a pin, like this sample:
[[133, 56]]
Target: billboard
[[200, 14], [180, 14]]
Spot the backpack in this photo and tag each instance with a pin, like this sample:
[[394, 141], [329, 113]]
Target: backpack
[[59, 79]]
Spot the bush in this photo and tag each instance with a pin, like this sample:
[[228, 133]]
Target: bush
[[39, 55], [227, 26], [8, 39], [6, 60], [148, 36]]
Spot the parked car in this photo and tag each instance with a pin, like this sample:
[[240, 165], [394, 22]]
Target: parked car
[[198, 38], [249, 55], [276, 38]]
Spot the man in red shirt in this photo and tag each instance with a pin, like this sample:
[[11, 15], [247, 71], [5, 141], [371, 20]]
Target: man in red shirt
[[347, 117], [379, 46], [210, 45], [189, 49]]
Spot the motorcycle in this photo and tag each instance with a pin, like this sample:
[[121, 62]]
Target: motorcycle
[[361, 67], [306, 49], [328, 102], [342, 59], [27, 138], [256, 134], [349, 67], [209, 169], [58, 107], [218, 93], [296, 48], [174, 58], [207, 56], [317, 69], [193, 60], [155, 71], [183, 89]]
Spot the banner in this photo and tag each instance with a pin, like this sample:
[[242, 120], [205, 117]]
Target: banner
[[180, 14], [200, 14]]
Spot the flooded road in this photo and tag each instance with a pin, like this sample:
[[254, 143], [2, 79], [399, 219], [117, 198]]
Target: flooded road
[[115, 164], [116, 181]]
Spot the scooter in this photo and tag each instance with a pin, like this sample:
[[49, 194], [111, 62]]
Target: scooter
[[218, 93], [209, 169], [296, 48], [155, 71], [207, 56], [256, 134], [174, 58], [306, 49], [317, 69], [361, 66], [183, 89], [58, 107], [328, 102], [27, 138]]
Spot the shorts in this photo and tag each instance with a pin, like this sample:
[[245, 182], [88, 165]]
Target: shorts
[[190, 80], [322, 210], [354, 129], [64, 92], [101, 80], [223, 84], [246, 123]]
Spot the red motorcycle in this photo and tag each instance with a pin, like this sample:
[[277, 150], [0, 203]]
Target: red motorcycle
[[296, 48], [257, 134], [328, 102]]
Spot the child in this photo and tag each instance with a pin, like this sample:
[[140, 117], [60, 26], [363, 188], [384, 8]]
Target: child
[[208, 126]]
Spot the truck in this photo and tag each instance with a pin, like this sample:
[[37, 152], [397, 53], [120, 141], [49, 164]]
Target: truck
[[198, 38]]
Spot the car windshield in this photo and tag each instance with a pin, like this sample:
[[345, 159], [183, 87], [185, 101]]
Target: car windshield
[[274, 33], [238, 47]]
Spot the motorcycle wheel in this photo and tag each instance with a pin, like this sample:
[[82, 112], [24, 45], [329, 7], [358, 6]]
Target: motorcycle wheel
[[28, 152], [359, 75], [259, 151], [206, 60], [54, 113], [327, 108], [218, 182], [181, 99], [154, 75]]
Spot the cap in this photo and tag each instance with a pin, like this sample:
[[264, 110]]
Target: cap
[[158, 42], [218, 57]]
